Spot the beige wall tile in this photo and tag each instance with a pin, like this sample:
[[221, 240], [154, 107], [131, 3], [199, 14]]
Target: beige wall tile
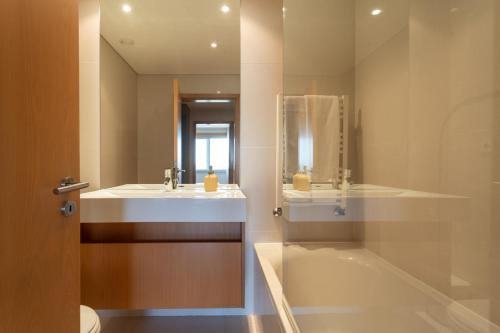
[[118, 119], [154, 100], [89, 93], [381, 95], [319, 85], [257, 181], [261, 84], [261, 31], [89, 30], [90, 144]]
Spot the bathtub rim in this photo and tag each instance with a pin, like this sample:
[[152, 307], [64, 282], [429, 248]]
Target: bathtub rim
[[265, 253]]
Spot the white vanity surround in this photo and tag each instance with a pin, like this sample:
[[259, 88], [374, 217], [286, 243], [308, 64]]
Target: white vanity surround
[[366, 202], [151, 203]]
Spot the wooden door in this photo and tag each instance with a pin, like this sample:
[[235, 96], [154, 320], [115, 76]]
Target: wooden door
[[177, 125], [39, 247]]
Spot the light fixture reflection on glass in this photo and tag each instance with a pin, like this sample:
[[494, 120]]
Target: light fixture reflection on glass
[[376, 11], [225, 9], [126, 8], [212, 101], [214, 45]]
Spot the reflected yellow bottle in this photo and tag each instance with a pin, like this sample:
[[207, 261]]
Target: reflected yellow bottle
[[211, 181], [302, 181]]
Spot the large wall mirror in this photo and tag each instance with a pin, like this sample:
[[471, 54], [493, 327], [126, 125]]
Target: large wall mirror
[[170, 84]]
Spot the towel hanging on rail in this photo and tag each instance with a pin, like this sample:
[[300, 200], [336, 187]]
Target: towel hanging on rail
[[312, 132]]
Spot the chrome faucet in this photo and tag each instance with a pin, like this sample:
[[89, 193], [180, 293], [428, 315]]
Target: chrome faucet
[[167, 180], [172, 177]]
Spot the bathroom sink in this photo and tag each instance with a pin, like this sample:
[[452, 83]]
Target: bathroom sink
[[192, 191], [151, 203]]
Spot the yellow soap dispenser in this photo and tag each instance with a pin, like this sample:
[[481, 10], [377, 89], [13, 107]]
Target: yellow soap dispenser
[[211, 181], [302, 181]]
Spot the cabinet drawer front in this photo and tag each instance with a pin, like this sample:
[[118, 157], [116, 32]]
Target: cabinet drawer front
[[161, 275]]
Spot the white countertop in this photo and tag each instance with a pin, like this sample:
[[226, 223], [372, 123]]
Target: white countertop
[[151, 203], [186, 191]]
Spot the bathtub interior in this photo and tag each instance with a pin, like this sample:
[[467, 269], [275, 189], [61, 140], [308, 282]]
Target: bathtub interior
[[343, 287]]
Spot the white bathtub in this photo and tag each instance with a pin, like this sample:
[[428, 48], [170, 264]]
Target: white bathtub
[[269, 257], [342, 287]]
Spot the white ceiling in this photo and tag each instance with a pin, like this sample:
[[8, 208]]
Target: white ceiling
[[174, 36]]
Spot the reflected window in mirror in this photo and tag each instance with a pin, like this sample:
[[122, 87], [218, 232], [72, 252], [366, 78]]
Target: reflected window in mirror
[[212, 150]]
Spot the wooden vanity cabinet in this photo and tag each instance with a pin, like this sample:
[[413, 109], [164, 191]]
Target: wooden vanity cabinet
[[162, 265]]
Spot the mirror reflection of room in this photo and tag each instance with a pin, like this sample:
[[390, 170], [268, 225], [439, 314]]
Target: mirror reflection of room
[[209, 137], [160, 76]]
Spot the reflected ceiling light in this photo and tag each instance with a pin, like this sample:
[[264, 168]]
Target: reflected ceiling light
[[214, 45], [225, 9], [212, 101], [376, 11], [126, 8]]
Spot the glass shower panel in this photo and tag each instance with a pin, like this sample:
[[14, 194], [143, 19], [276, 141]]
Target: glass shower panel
[[404, 94]]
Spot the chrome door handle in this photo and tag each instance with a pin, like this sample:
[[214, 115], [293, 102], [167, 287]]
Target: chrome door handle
[[68, 184]]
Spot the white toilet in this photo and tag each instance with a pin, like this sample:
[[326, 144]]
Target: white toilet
[[89, 320]]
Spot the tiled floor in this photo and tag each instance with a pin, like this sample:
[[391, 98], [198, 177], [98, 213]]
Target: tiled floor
[[205, 324]]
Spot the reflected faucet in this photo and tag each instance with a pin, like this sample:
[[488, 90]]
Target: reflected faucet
[[167, 180], [338, 211], [172, 177]]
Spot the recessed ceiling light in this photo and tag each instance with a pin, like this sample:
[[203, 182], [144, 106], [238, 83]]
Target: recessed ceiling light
[[214, 45], [225, 9], [376, 12], [126, 8]]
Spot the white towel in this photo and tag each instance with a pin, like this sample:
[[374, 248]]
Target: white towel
[[312, 136], [296, 133]]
